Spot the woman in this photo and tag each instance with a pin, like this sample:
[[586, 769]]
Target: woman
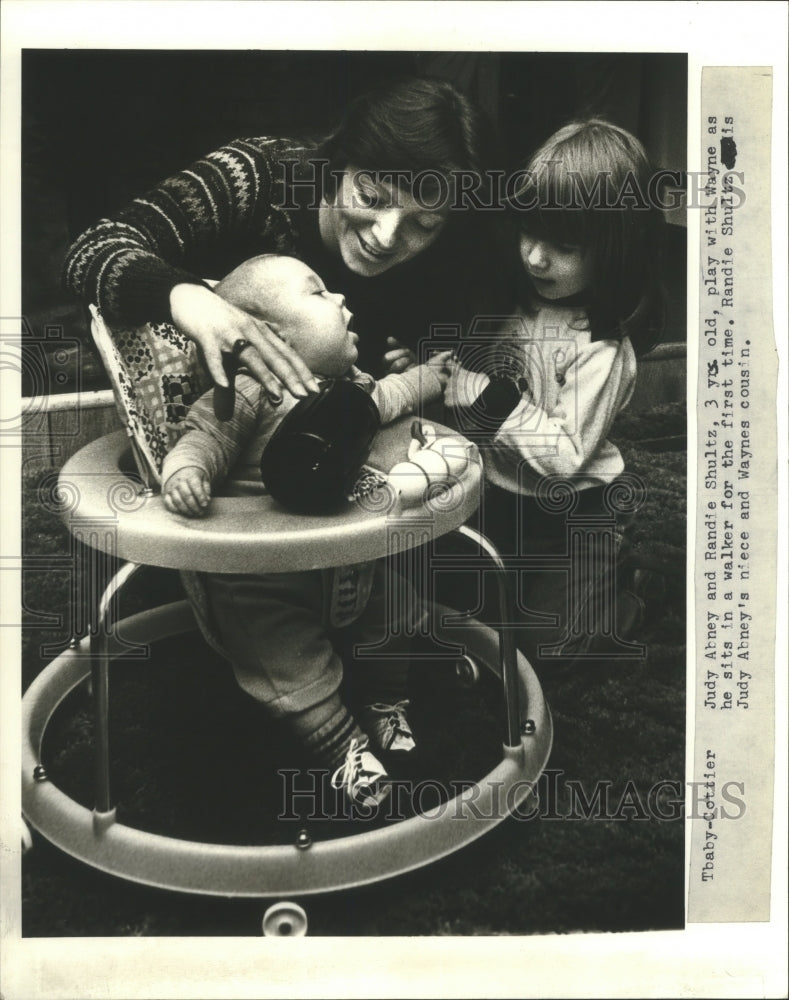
[[395, 247]]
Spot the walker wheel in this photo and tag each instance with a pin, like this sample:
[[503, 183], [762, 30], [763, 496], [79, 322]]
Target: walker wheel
[[27, 838], [284, 920], [467, 672]]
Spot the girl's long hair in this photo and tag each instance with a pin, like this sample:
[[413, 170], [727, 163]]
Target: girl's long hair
[[589, 186]]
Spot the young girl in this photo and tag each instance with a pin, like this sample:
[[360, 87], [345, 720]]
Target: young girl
[[589, 303]]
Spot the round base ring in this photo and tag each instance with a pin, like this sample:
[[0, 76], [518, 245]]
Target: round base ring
[[279, 871]]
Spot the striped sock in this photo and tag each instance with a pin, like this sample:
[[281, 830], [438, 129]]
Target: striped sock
[[326, 731]]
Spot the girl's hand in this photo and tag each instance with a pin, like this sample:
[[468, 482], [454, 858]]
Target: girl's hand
[[442, 364], [187, 492], [216, 325], [399, 359]]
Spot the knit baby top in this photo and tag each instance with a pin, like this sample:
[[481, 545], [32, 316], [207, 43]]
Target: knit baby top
[[233, 447]]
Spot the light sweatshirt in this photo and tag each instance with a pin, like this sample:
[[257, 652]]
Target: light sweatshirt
[[576, 387]]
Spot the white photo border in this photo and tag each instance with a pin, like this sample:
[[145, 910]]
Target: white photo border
[[703, 960]]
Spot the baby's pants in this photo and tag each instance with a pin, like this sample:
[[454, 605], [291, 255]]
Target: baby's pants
[[280, 629]]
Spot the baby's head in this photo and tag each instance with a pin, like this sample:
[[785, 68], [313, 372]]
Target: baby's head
[[293, 300]]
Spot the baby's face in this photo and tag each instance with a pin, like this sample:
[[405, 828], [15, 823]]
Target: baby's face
[[313, 320]]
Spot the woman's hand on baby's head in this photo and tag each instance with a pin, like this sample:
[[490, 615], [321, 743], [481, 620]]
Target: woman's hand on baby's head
[[187, 492], [443, 365], [217, 326]]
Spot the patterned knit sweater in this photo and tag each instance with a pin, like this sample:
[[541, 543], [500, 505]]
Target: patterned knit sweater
[[260, 195], [128, 264]]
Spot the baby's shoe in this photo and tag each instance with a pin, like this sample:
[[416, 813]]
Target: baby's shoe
[[361, 776], [388, 728]]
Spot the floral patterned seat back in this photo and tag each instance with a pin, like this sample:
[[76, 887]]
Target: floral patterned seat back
[[156, 375]]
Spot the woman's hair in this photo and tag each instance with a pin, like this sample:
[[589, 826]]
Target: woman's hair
[[419, 125], [410, 126], [589, 185]]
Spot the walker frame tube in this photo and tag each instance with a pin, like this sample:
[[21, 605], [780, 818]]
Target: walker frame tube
[[508, 654], [100, 668]]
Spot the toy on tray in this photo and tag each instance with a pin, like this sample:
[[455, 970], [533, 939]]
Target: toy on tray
[[433, 462]]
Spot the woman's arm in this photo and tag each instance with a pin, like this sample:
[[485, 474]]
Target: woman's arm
[[128, 263], [142, 264], [216, 325]]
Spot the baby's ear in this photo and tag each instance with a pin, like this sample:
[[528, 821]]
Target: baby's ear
[[276, 328], [260, 316]]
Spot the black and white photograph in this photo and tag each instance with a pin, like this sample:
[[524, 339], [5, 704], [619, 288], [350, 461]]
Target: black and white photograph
[[361, 482]]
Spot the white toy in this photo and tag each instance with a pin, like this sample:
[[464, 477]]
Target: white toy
[[433, 462]]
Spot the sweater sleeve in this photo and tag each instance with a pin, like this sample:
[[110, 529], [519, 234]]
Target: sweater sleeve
[[214, 445], [128, 263], [398, 394]]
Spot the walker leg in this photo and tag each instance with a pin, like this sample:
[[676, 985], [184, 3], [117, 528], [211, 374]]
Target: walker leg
[[100, 664], [508, 653]]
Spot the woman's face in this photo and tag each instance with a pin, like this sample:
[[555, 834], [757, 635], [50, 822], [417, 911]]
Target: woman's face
[[374, 225], [556, 270]]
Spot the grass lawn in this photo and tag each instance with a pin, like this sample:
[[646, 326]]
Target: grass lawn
[[194, 759]]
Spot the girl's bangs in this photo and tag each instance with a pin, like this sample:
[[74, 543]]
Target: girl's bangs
[[548, 208]]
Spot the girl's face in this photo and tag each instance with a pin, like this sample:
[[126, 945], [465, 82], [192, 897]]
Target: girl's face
[[557, 270], [374, 225]]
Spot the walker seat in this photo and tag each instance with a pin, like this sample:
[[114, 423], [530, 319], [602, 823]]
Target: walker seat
[[105, 506]]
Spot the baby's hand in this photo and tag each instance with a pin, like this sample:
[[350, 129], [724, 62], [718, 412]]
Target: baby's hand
[[399, 359], [187, 492], [442, 365]]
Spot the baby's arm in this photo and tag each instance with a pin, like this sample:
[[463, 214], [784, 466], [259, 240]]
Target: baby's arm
[[187, 491], [208, 449], [398, 394]]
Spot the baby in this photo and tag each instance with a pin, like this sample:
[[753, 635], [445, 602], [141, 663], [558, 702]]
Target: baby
[[280, 629]]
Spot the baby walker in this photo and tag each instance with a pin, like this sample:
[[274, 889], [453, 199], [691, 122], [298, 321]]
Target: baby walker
[[110, 502]]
